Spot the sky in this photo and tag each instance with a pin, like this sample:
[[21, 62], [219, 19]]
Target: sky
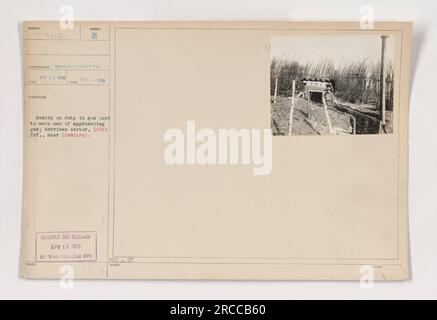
[[340, 49]]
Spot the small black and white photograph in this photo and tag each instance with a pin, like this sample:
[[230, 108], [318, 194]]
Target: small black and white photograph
[[332, 85]]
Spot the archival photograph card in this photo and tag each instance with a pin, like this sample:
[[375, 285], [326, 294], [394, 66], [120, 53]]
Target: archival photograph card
[[221, 150]]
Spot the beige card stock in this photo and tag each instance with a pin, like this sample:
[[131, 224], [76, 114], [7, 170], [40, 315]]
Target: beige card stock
[[265, 151]]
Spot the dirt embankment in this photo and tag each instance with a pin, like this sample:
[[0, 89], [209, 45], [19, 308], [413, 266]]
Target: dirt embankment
[[308, 120], [311, 119]]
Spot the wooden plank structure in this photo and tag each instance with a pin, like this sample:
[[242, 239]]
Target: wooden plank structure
[[317, 85], [325, 88]]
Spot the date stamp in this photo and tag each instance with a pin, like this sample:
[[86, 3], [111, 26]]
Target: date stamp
[[66, 246]]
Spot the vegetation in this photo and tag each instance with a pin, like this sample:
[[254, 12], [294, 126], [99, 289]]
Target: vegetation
[[356, 82]]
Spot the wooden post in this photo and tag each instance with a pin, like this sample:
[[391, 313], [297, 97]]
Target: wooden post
[[331, 130], [382, 81], [308, 102], [276, 91], [290, 122]]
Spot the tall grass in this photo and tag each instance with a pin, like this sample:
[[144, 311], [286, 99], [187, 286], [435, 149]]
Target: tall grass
[[355, 82]]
